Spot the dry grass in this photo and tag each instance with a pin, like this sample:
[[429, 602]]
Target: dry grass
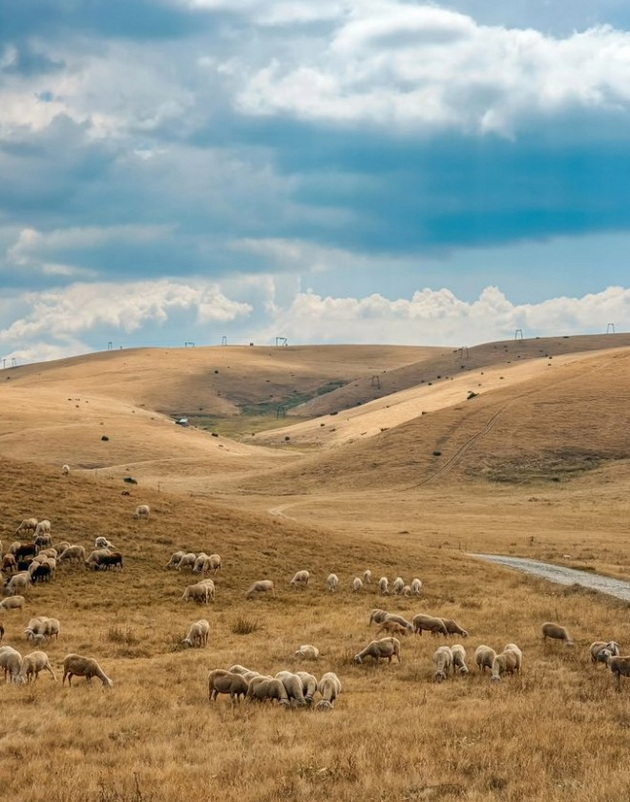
[[558, 732], [394, 734]]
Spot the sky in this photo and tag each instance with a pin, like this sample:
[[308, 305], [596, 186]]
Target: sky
[[327, 171]]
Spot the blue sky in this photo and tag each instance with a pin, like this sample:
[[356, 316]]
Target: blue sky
[[330, 171]]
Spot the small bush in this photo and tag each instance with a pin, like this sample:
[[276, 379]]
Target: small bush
[[122, 635], [245, 626]]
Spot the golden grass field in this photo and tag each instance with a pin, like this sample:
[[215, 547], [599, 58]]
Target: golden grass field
[[535, 465]]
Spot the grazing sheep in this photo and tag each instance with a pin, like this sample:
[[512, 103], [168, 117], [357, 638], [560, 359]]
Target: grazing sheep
[[504, 663], [416, 586], [197, 634], [309, 686], [619, 666], [11, 663], [443, 660], [27, 525], [367, 577], [308, 652], [200, 566], [459, 658], [261, 586], [484, 657], [25, 550], [42, 541], [398, 619], [600, 651], [262, 688], [187, 561], [12, 603], [357, 584], [94, 557], [239, 669], [65, 470], [198, 593], [406, 591], [43, 527], [293, 686], [512, 647], [332, 582], [329, 687], [377, 649], [429, 623], [107, 561], [18, 584], [175, 559], [392, 628], [220, 681], [103, 543], [383, 586], [556, 632], [399, 584], [300, 579], [215, 563], [142, 511], [9, 563], [377, 616], [72, 554], [76, 665], [453, 628], [33, 663]]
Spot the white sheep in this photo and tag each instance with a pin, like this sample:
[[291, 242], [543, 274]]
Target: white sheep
[[512, 647], [239, 669], [261, 586], [383, 586], [76, 665], [377, 616], [416, 586], [197, 634], [142, 511], [443, 660], [309, 686], [392, 628], [72, 553], [11, 663], [221, 681], [197, 593], [367, 577], [187, 561], [42, 528], [484, 657], [398, 585], [556, 632], [459, 658], [308, 652], [329, 688], [94, 557], [508, 662], [453, 628], [263, 688], [332, 582], [619, 666], [18, 584], [429, 623], [300, 579], [103, 543], [385, 648], [27, 525], [293, 686], [12, 603], [406, 591], [175, 559], [601, 650], [215, 563], [33, 663], [399, 619], [199, 565], [65, 470], [357, 584]]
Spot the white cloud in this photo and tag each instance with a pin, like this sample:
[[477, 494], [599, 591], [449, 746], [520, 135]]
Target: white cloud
[[438, 317], [424, 68], [66, 318]]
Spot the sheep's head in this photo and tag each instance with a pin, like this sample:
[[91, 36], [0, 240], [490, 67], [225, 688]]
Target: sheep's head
[[357, 659]]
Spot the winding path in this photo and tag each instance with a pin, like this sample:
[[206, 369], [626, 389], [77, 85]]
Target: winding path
[[562, 575]]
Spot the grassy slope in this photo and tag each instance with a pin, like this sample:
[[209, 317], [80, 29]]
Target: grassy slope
[[393, 735]]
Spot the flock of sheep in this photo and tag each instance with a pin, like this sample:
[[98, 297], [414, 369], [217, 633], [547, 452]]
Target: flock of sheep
[[27, 563]]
